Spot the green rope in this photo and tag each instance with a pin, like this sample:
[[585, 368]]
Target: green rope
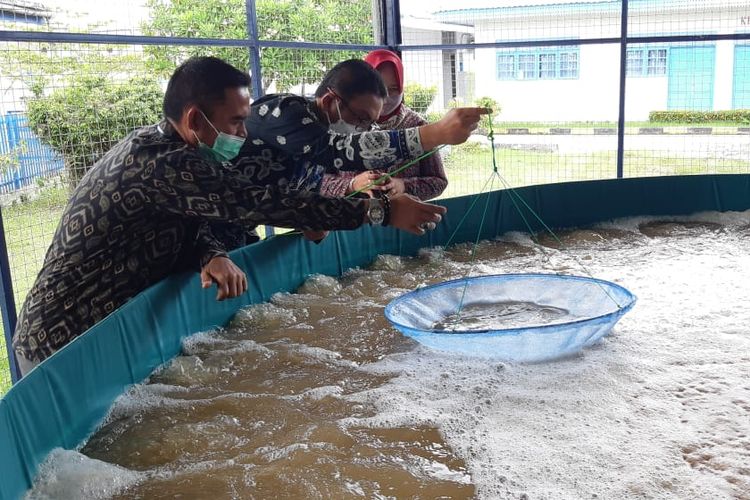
[[380, 179], [513, 196], [466, 214], [400, 169], [476, 245]]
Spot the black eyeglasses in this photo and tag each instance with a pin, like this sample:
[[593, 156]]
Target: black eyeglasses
[[363, 124]]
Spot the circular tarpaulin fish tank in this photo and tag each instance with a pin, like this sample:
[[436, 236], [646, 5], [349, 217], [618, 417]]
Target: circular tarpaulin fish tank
[[511, 317], [61, 402]]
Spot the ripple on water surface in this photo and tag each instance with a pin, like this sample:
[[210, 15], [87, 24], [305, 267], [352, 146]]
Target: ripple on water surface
[[314, 395]]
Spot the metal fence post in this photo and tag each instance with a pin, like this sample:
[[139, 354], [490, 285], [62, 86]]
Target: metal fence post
[[255, 67], [252, 33], [11, 123], [7, 303], [392, 24], [623, 77]]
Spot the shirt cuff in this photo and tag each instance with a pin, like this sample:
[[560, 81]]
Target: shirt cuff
[[210, 254], [414, 142]]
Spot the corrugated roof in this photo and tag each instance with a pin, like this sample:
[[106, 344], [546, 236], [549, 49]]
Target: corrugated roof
[[22, 7], [574, 6]]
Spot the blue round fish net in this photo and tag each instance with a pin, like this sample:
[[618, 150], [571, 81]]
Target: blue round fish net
[[511, 317]]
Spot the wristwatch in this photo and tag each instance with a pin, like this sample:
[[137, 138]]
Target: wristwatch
[[375, 212]]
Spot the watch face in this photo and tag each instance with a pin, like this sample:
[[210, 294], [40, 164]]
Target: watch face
[[376, 215]]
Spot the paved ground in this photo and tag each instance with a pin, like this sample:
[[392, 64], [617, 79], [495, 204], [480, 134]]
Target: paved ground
[[735, 147]]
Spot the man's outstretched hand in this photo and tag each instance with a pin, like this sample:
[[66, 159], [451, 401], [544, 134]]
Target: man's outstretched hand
[[410, 214], [454, 128], [230, 279]]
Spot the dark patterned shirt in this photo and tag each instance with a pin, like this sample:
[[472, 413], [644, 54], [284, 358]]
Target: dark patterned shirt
[[425, 180], [289, 146], [134, 219]]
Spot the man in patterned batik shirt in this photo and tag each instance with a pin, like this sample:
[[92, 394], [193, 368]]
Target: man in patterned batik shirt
[[293, 140], [134, 218]]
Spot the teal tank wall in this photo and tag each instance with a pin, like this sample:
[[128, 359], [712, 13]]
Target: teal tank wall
[[61, 402]]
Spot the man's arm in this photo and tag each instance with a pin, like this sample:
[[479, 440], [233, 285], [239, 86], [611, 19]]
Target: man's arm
[[288, 123], [182, 183]]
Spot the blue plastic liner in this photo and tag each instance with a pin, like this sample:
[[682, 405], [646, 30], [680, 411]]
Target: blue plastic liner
[[64, 399], [595, 304]]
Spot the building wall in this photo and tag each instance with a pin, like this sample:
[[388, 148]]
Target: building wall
[[431, 67], [593, 96], [424, 67]]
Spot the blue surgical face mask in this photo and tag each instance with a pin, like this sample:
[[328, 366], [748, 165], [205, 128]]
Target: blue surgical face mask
[[226, 146]]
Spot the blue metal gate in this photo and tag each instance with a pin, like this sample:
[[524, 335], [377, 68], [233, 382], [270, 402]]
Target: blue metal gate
[[741, 84], [691, 78], [24, 158]]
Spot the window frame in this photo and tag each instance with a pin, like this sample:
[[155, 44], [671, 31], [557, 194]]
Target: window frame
[[643, 70], [547, 63]]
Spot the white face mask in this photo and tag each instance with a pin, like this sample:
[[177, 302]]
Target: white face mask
[[391, 103], [342, 127]]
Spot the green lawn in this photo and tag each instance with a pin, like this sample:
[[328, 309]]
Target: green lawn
[[29, 226], [630, 124], [468, 167]]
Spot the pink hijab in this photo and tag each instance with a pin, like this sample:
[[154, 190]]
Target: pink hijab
[[379, 57]]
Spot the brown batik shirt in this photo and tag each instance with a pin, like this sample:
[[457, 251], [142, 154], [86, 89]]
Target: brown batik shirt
[[133, 220]]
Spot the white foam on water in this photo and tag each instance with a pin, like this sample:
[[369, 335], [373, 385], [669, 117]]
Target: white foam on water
[[319, 354], [318, 393], [224, 347], [387, 262], [259, 317], [273, 453], [321, 285], [659, 409], [354, 488], [67, 474]]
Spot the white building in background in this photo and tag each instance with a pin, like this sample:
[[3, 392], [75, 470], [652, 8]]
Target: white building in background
[[22, 16], [581, 81], [450, 71]]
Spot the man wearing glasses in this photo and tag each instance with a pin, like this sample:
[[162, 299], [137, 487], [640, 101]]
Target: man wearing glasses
[[292, 141]]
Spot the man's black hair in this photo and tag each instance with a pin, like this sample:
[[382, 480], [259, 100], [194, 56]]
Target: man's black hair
[[201, 81], [352, 78]]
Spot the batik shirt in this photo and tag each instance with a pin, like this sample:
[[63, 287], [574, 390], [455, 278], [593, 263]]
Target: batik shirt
[[288, 146], [134, 219], [425, 180]]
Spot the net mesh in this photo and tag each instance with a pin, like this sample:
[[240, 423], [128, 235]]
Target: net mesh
[[591, 306]]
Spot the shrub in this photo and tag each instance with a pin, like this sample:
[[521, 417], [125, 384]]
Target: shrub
[[433, 116], [488, 102], [734, 116], [419, 97], [87, 115]]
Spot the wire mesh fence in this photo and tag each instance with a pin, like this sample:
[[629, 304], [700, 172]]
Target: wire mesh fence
[[550, 72]]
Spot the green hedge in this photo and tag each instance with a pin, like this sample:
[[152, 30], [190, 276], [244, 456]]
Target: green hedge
[[733, 116], [89, 114]]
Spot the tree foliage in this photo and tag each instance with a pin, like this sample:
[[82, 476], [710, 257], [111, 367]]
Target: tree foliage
[[419, 97], [88, 115], [488, 103], [327, 21]]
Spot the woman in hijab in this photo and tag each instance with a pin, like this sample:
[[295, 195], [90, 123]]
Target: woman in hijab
[[425, 179]]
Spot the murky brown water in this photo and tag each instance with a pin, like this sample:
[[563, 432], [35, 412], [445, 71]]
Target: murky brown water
[[253, 411], [314, 395]]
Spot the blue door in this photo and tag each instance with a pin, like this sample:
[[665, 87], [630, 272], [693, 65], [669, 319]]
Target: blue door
[[741, 86], [691, 78]]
